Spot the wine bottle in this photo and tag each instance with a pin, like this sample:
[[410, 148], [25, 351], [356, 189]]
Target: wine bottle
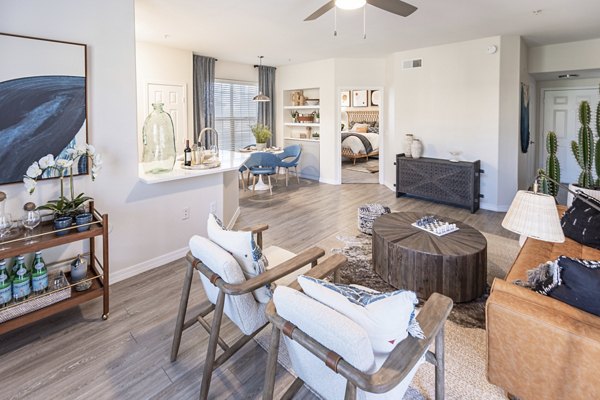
[[187, 154], [39, 274], [21, 286], [5, 285]]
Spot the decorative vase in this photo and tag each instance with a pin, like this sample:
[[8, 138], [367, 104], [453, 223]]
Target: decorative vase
[[408, 139], [62, 223], [261, 146], [159, 142], [83, 219], [416, 148], [78, 269]]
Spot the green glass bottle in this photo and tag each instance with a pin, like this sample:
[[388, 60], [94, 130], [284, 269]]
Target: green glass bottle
[[5, 285], [39, 274], [21, 284]]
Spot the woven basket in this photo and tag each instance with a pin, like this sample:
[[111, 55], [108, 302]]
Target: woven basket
[[41, 301], [367, 214]]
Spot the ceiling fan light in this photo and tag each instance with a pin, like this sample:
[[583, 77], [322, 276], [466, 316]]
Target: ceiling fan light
[[350, 4]]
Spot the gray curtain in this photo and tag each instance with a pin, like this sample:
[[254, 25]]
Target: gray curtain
[[204, 94], [266, 110]]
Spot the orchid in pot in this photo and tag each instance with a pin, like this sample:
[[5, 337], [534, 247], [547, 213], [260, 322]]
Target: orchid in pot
[[63, 167]]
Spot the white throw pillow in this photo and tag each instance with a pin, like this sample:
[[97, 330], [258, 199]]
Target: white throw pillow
[[243, 248], [387, 318]]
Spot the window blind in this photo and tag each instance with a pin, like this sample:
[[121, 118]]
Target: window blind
[[235, 113]]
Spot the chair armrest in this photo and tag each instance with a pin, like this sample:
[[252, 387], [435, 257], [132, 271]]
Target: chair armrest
[[257, 230], [309, 256]]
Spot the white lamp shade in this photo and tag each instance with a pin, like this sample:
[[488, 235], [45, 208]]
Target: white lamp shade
[[534, 215], [350, 4]]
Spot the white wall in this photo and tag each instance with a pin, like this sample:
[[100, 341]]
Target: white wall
[[508, 128], [166, 65], [570, 57], [146, 225], [451, 103]]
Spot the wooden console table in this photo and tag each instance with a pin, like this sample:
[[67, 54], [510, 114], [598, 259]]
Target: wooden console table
[[444, 181], [44, 237]]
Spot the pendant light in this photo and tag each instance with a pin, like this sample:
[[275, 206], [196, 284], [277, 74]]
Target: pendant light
[[260, 96]]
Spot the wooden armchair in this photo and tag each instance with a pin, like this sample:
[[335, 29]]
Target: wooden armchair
[[322, 363], [229, 292]]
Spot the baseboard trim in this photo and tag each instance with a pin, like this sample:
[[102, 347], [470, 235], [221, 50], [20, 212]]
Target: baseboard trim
[[147, 265], [329, 181], [236, 215]]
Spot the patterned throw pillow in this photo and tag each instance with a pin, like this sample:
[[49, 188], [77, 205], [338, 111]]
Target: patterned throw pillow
[[581, 222], [388, 318], [570, 280], [243, 248]]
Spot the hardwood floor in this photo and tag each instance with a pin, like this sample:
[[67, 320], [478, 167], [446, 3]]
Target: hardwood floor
[[76, 355]]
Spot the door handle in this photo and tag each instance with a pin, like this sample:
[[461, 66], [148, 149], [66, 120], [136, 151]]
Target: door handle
[[531, 142]]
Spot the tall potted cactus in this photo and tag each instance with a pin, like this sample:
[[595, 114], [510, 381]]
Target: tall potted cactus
[[552, 166], [587, 153]]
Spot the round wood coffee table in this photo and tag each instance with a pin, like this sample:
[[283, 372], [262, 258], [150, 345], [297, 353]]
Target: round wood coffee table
[[410, 258]]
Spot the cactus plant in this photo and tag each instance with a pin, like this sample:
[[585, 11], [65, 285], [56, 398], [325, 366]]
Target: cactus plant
[[583, 150], [552, 166]]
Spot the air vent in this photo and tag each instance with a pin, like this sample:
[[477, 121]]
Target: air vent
[[417, 63]]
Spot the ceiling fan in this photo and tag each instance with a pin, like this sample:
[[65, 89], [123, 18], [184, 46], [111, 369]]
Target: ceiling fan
[[393, 6]]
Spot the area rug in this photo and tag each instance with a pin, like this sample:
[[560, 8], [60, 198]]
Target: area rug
[[371, 166]]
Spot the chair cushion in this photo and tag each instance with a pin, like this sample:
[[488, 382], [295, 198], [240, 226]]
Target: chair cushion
[[243, 248], [276, 255], [262, 170], [331, 329], [242, 310], [387, 318]]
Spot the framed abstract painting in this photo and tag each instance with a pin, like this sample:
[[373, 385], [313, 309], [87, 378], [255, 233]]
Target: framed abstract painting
[[42, 103], [359, 98]]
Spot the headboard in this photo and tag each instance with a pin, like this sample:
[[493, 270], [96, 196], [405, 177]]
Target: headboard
[[362, 116]]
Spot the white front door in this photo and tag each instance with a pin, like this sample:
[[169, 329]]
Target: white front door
[[174, 100], [561, 109]]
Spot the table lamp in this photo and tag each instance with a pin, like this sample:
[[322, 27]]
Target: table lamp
[[533, 214]]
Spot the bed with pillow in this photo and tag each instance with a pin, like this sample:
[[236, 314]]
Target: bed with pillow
[[362, 138]]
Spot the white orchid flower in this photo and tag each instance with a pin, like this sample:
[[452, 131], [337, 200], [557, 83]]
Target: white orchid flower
[[97, 159], [34, 170], [81, 150], [63, 163], [46, 161], [29, 184], [91, 150]]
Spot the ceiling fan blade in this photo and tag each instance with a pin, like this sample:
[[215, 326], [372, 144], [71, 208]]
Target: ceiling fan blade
[[328, 6], [394, 6]]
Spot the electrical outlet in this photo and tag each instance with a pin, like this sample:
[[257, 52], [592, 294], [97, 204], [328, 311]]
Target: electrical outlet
[[186, 213], [213, 207]]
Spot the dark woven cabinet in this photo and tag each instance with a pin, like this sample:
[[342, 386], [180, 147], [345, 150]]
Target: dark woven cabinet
[[444, 181]]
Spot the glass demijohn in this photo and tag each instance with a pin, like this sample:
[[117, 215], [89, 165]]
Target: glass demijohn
[[6, 222], [159, 142]]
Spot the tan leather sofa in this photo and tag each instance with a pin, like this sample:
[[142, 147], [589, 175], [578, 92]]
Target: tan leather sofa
[[539, 347]]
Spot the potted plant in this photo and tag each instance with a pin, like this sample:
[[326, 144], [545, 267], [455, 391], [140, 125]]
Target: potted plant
[[316, 116], [587, 154], [64, 208], [294, 114], [262, 134], [552, 166]]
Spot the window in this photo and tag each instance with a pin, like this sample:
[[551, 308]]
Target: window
[[235, 113]]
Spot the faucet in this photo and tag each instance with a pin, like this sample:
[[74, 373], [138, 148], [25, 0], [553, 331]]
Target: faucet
[[209, 140]]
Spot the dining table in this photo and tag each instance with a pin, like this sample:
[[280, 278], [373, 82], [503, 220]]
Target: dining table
[[260, 185]]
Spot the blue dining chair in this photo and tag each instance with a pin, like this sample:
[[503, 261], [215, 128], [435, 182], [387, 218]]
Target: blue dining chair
[[260, 164], [243, 169], [289, 159]]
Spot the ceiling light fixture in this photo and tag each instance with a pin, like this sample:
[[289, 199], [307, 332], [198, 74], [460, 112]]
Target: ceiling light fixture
[[260, 97], [350, 4], [568, 76]]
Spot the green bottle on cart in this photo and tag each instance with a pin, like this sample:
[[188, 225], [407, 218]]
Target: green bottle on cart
[[5, 285], [21, 284], [39, 274]]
